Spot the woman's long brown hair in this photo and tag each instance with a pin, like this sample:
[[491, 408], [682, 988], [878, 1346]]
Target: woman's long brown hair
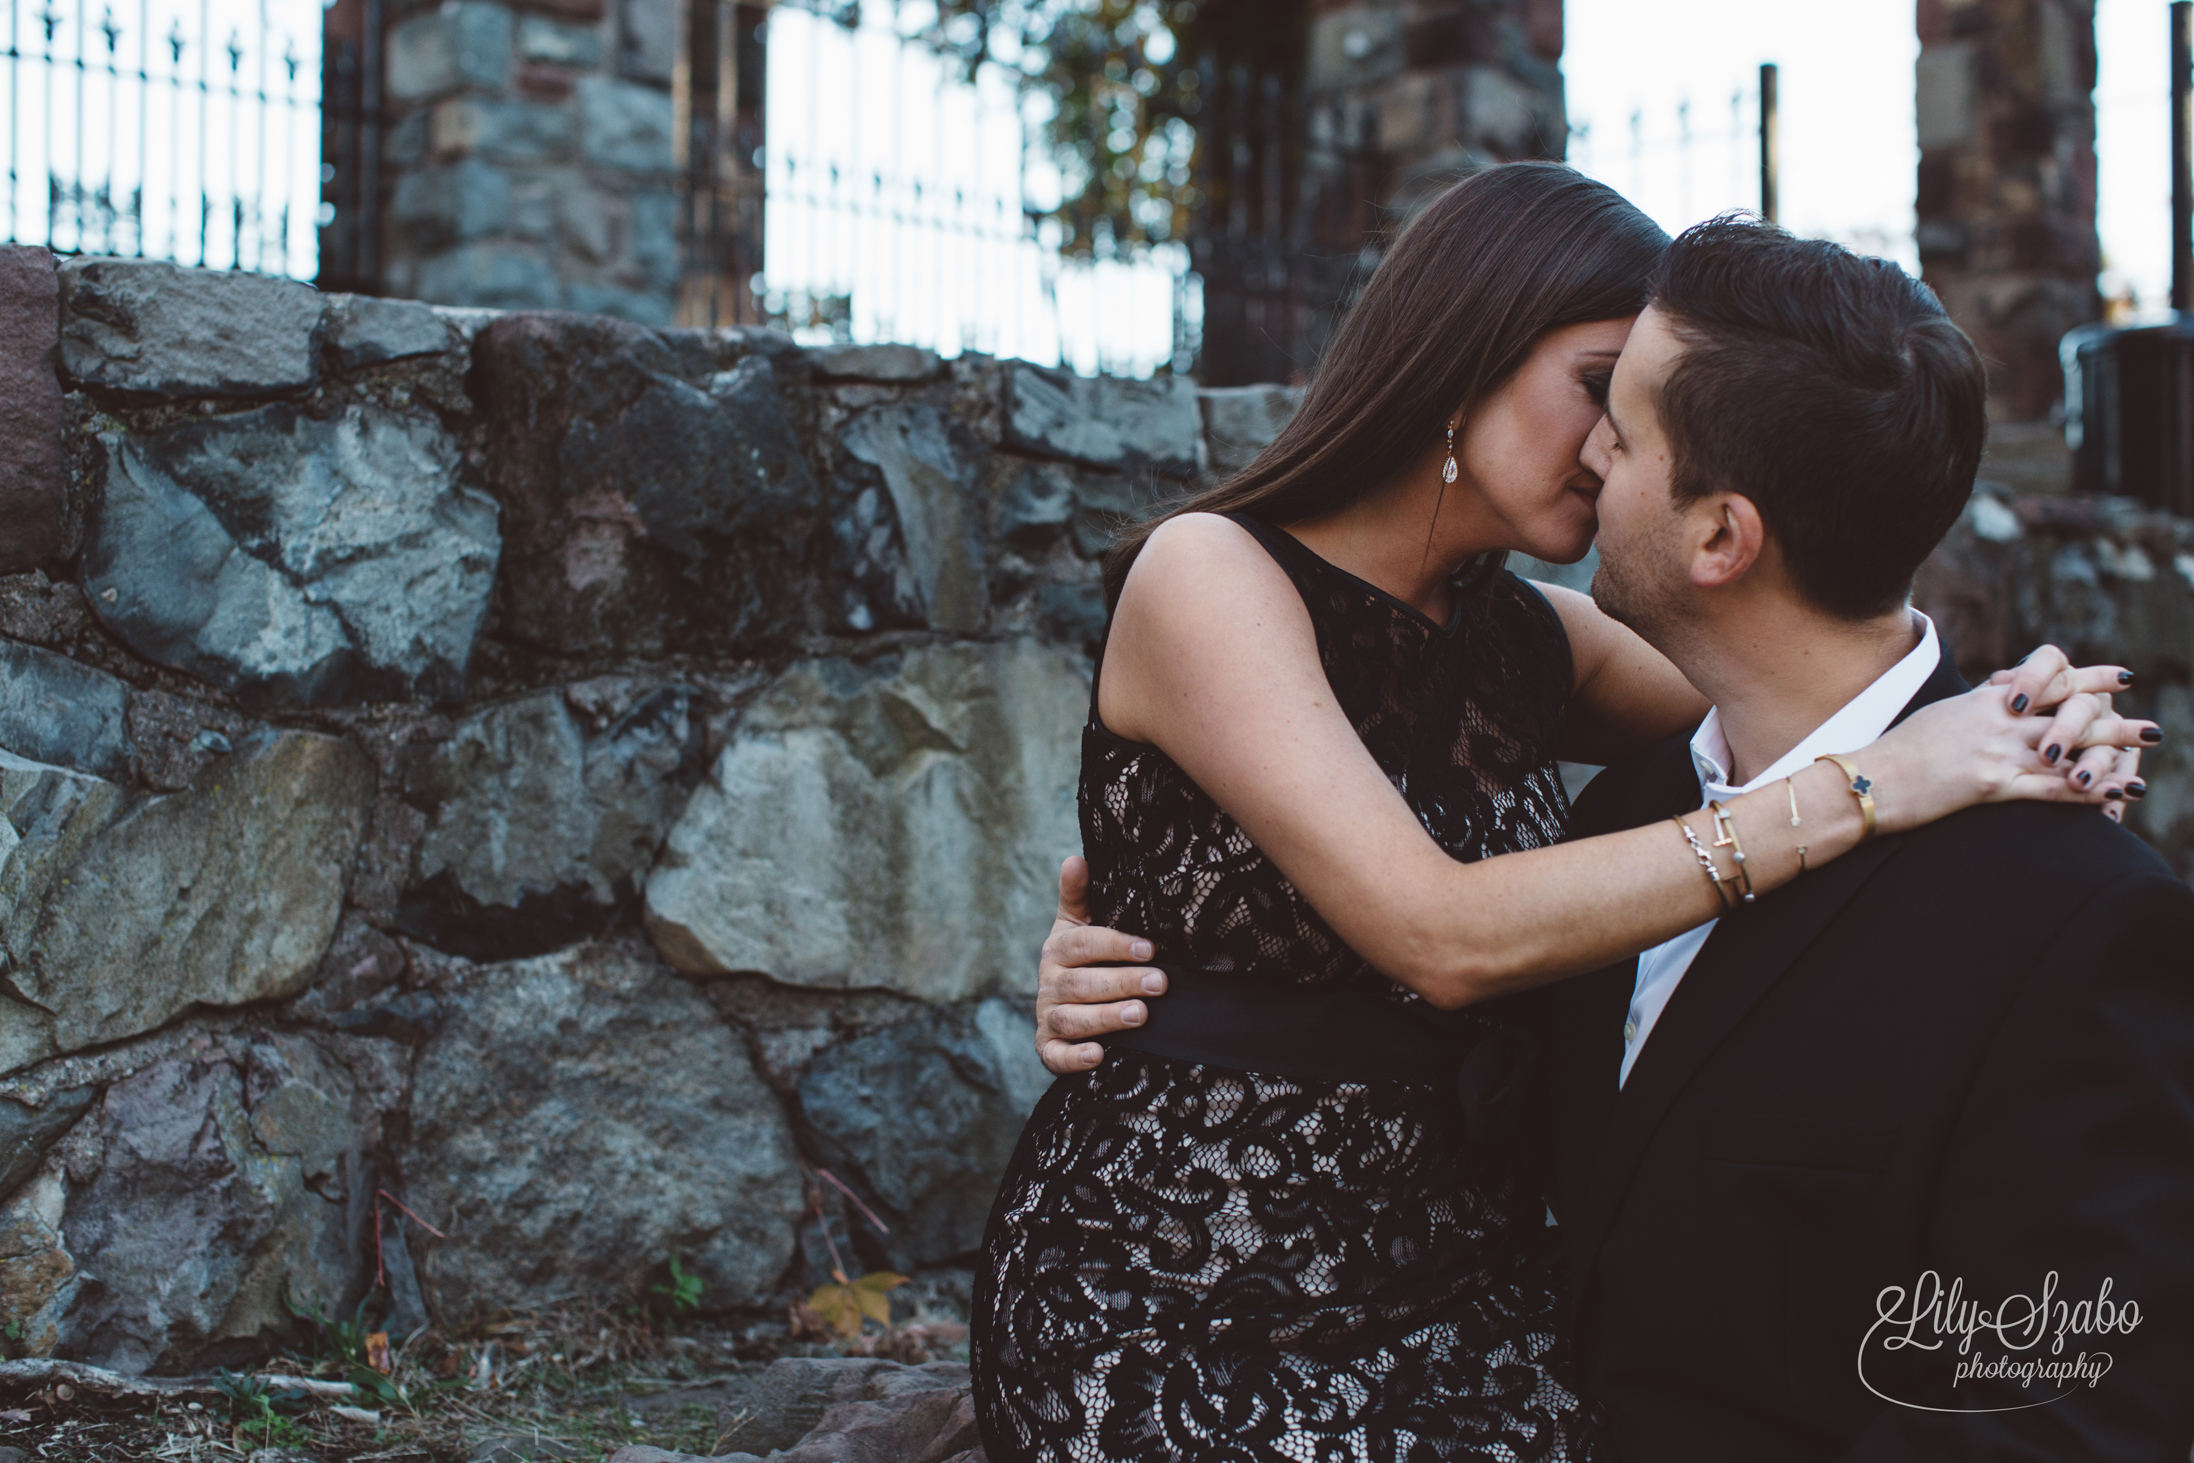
[[1491, 265]]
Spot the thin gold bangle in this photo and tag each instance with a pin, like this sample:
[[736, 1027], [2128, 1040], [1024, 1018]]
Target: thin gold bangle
[[1725, 836], [1795, 821], [1861, 788], [1706, 861]]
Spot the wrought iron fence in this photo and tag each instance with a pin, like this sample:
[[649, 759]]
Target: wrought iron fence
[[903, 201], [173, 129]]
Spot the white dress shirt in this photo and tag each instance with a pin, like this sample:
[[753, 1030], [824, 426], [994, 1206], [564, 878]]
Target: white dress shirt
[[1863, 719]]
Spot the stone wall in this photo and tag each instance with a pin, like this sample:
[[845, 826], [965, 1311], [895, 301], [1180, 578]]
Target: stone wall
[[574, 778], [578, 781]]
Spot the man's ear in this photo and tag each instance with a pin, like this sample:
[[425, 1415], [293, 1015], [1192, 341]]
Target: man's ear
[[1727, 539]]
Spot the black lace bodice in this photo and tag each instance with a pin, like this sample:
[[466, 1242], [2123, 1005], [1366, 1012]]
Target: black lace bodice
[[1461, 718]]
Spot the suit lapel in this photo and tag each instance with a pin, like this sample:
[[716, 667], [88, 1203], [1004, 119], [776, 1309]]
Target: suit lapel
[[1741, 961]]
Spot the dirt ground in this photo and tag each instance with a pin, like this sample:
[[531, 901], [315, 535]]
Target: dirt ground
[[562, 1386]]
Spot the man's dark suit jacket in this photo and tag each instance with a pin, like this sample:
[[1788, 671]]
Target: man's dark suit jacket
[[1967, 1049]]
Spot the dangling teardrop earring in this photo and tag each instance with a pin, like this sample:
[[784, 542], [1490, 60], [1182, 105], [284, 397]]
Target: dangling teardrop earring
[[1448, 470]]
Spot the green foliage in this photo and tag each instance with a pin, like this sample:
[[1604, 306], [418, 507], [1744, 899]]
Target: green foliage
[[252, 1401], [684, 1290], [1128, 83], [344, 1342]]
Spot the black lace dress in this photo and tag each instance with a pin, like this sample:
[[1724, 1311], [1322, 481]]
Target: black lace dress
[[1264, 1228]]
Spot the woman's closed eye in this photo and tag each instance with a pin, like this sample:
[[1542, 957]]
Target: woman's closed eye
[[1595, 386]]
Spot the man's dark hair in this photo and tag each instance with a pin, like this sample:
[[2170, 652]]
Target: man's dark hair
[[1832, 391]]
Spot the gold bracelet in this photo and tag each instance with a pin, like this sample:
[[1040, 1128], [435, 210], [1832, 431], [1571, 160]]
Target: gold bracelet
[[1795, 821], [1725, 836], [1706, 861], [1861, 788]]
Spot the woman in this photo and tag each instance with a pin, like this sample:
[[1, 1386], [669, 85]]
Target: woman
[[1280, 1238]]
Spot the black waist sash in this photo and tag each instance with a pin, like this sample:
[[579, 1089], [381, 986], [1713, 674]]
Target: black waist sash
[[1331, 1032], [1326, 1032]]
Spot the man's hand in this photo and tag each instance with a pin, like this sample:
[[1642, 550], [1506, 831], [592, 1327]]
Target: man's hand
[[1086, 985]]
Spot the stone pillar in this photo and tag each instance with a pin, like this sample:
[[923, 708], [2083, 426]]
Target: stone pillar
[[1396, 99], [529, 159], [2007, 186]]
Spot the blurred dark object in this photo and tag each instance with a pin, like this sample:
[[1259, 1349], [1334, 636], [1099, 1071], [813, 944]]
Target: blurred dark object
[[2129, 394], [350, 147], [1770, 144], [2129, 412]]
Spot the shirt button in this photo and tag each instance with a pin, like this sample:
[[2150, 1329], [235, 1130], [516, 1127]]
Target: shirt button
[[1630, 1031]]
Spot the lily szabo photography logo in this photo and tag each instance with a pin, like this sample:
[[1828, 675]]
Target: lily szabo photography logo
[[1932, 1346]]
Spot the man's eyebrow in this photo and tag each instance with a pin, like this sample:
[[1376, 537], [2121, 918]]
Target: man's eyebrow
[[1609, 409]]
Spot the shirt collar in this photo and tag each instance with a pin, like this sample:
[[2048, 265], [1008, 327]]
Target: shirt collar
[[1863, 719]]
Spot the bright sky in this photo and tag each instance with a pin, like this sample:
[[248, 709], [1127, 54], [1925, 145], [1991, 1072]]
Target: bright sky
[[2133, 147], [1645, 74], [1848, 142]]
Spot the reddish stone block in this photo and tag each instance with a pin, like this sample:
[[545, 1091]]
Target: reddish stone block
[[33, 472], [545, 83]]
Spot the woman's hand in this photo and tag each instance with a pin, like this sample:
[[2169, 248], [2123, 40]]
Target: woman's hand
[[2114, 772], [1993, 744]]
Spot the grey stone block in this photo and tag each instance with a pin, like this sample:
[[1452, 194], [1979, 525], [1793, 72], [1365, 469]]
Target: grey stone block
[[639, 306], [624, 125], [589, 219], [54, 710], [896, 825], [1037, 505], [364, 331], [927, 470], [223, 894], [1072, 614], [875, 363], [580, 1117], [507, 131], [1105, 422], [231, 1176], [295, 560], [541, 833], [26, 1132], [486, 273], [923, 1116], [1241, 421], [647, 39], [438, 207], [465, 43], [147, 326], [558, 43]]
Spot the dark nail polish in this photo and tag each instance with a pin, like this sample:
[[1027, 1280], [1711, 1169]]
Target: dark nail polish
[[2052, 755], [2084, 778], [2112, 794], [2022, 660], [2018, 702], [2136, 789], [2152, 735], [2125, 678]]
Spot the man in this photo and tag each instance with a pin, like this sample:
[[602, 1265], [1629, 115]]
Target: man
[[1898, 1162]]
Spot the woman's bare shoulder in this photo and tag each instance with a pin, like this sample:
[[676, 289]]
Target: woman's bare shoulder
[[1201, 556]]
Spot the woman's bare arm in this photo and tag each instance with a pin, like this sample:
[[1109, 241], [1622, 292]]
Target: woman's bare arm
[[1627, 695], [1212, 659]]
